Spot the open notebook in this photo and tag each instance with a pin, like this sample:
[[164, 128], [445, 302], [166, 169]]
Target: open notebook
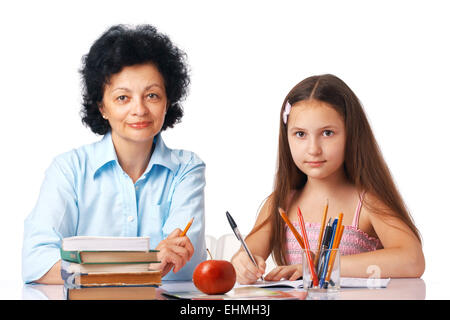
[[187, 290], [187, 286], [345, 283], [261, 290]]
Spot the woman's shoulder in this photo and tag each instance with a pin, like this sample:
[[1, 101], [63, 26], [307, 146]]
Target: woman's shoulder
[[184, 157], [186, 162], [75, 159], [176, 158]]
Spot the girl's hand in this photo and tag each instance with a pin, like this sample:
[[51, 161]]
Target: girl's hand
[[174, 252], [291, 273], [246, 271]]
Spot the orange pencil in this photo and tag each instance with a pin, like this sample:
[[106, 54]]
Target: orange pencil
[[294, 231], [341, 216], [307, 249], [322, 228], [333, 253], [338, 229], [187, 228], [336, 243]]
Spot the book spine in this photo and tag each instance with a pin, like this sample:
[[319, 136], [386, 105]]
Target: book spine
[[72, 256], [100, 295], [77, 257]]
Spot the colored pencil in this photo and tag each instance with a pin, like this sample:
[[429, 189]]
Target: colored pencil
[[324, 246], [341, 216], [333, 253], [322, 228], [293, 230], [187, 227], [327, 253], [307, 248]]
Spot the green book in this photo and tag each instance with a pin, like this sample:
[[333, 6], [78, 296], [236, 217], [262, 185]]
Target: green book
[[116, 257], [100, 249]]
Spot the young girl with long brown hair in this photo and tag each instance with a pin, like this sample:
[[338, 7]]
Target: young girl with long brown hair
[[328, 153]]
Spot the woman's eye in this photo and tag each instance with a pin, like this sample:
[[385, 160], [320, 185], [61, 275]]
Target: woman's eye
[[300, 134], [152, 96], [328, 133], [121, 98]]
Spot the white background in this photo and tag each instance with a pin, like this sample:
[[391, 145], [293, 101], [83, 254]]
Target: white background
[[244, 57]]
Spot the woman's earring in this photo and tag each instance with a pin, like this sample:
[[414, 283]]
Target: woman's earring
[[104, 117]]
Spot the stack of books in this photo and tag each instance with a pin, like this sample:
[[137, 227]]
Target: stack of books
[[109, 268]]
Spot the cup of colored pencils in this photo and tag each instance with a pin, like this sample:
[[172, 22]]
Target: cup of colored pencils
[[323, 271], [327, 271]]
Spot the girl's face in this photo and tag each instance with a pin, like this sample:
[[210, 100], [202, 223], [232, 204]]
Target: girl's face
[[316, 135], [134, 103]]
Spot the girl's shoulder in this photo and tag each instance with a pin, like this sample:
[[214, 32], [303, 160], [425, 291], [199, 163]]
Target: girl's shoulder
[[268, 202], [265, 212], [373, 211], [372, 204], [265, 206]]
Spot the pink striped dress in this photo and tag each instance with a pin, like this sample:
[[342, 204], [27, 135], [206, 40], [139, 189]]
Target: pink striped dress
[[353, 241]]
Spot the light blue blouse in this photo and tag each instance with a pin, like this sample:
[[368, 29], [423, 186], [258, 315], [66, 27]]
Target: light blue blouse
[[86, 192]]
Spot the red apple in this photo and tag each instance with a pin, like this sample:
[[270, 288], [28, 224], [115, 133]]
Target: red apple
[[214, 276]]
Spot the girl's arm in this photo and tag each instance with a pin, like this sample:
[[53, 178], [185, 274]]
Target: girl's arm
[[258, 243], [401, 256]]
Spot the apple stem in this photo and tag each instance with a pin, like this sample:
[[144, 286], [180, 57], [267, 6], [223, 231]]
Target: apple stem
[[209, 254]]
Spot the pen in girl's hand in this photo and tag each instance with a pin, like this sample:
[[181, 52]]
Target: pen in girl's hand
[[239, 236]]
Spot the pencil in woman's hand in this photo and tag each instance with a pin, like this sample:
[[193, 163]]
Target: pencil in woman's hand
[[187, 228]]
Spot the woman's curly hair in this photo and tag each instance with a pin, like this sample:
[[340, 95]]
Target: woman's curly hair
[[122, 46]]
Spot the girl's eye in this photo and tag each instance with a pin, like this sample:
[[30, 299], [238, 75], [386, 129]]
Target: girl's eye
[[300, 134], [328, 133]]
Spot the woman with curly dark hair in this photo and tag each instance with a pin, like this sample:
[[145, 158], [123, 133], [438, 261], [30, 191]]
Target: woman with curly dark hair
[[129, 183]]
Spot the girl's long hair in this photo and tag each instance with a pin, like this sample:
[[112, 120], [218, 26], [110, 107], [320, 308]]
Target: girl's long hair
[[364, 165]]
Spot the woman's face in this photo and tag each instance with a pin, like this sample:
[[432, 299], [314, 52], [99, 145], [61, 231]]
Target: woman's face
[[316, 135], [135, 103]]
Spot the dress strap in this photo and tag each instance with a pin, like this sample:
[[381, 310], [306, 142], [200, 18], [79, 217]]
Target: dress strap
[[355, 222]]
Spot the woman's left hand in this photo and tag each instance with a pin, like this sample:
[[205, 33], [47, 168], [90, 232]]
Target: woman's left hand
[[291, 273], [174, 252]]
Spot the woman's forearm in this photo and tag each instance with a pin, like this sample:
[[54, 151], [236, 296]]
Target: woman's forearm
[[53, 276], [384, 263]]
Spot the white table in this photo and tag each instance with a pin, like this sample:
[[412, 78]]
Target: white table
[[397, 289]]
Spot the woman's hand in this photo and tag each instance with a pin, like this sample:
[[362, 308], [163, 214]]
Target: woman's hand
[[291, 273], [246, 271], [174, 252]]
